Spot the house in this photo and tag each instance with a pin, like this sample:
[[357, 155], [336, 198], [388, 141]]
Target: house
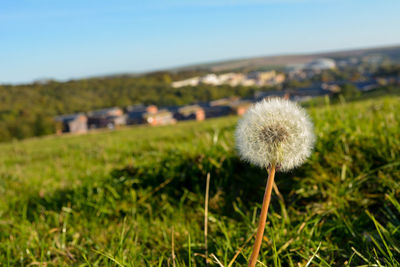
[[240, 107], [278, 79], [100, 122], [106, 112], [248, 82], [161, 117], [188, 82], [320, 64], [226, 78], [225, 107], [262, 78], [73, 123], [192, 112], [135, 114], [211, 79], [216, 111], [106, 118], [236, 79]]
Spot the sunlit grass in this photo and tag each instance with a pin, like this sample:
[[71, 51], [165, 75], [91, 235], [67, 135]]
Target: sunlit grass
[[96, 199]]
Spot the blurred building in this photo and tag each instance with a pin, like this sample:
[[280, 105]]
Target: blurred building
[[320, 64], [188, 82], [136, 114], [263, 78], [73, 123], [191, 112], [240, 107], [106, 118], [211, 79], [161, 117], [235, 79], [106, 112], [217, 111], [226, 106]]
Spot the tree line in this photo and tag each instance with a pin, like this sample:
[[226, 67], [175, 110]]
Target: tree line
[[28, 110]]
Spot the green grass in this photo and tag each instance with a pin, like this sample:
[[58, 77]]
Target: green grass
[[120, 198]]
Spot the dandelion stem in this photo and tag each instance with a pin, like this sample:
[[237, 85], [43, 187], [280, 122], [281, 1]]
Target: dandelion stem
[[206, 217], [263, 216]]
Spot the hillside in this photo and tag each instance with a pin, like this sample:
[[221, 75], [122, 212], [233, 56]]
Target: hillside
[[135, 197], [392, 53], [27, 110]]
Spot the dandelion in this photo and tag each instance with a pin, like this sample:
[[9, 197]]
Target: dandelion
[[278, 135]]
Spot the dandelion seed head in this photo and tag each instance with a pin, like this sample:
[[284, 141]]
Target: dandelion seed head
[[275, 131]]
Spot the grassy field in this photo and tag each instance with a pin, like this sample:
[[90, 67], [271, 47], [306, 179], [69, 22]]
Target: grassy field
[[135, 197]]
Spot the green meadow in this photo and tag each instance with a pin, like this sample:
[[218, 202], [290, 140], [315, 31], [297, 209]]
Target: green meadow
[[135, 196]]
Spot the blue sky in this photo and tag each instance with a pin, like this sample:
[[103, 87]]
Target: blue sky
[[79, 38]]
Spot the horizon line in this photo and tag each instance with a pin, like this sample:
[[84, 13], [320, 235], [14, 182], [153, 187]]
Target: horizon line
[[177, 68]]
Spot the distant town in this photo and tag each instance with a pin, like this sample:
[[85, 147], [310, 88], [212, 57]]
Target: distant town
[[115, 117], [260, 78]]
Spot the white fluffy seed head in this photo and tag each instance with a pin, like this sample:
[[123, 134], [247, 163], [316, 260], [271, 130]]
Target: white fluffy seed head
[[275, 131]]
